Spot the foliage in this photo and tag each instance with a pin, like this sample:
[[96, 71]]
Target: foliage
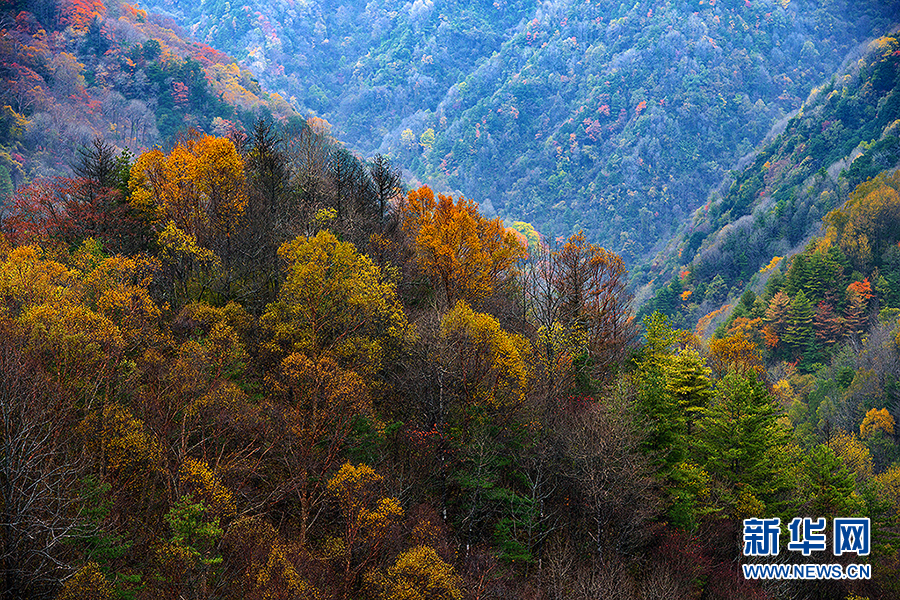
[[492, 365], [466, 256], [335, 301]]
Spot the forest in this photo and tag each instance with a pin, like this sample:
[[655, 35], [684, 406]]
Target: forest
[[253, 367], [239, 360], [75, 70], [615, 118]]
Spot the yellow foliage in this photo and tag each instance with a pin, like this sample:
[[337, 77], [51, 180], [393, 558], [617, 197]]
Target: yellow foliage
[[418, 574], [465, 255], [117, 288], [80, 346], [747, 506], [278, 578], [853, 453], [868, 219], [198, 480], [28, 277], [349, 482], [322, 394], [387, 512], [735, 352], [131, 453], [88, 583], [875, 421], [336, 301], [888, 486], [492, 362], [557, 347], [772, 264], [333, 548], [178, 245], [199, 188], [783, 391]]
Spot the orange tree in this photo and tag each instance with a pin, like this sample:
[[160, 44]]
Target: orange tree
[[466, 256]]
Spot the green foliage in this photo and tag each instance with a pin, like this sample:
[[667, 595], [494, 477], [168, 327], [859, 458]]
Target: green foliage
[[193, 537], [742, 444], [103, 549]]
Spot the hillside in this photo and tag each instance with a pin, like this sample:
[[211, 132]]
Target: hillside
[[616, 119], [245, 364], [72, 72], [845, 133]]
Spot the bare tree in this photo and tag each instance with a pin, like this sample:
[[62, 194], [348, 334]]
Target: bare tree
[[38, 506], [602, 441], [386, 182]]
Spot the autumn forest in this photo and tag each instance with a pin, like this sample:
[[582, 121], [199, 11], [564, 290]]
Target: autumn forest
[[239, 359]]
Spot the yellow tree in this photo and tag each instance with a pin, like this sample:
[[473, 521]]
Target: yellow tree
[[334, 301], [261, 565], [317, 404], [466, 256], [368, 519], [194, 198], [489, 364], [199, 186], [418, 574]]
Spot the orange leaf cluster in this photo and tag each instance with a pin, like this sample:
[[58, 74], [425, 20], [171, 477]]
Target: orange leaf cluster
[[466, 256]]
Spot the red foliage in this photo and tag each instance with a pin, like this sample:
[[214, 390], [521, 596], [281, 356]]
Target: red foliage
[[180, 94], [69, 210], [78, 14], [39, 210], [863, 288]]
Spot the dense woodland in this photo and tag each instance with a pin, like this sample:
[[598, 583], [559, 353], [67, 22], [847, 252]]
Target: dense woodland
[[251, 366], [239, 361], [846, 133], [75, 70], [616, 118]]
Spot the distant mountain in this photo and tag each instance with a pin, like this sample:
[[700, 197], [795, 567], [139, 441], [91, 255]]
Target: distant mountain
[[615, 118], [74, 71], [847, 132]]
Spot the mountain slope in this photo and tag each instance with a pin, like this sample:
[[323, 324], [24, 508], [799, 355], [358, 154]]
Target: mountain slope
[[74, 71], [847, 132], [599, 116]]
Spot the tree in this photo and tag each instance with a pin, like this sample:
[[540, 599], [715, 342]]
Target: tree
[[590, 288], [466, 256], [735, 352], [309, 150], [418, 574], [489, 365], [776, 318], [270, 215], [368, 519], [798, 332], [673, 392], [199, 187], [261, 565], [188, 557], [88, 583], [828, 326], [866, 225], [386, 182], [334, 301], [602, 443], [38, 506], [740, 443], [317, 405]]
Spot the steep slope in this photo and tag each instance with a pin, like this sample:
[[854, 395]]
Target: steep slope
[[846, 133], [74, 71], [614, 118]]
